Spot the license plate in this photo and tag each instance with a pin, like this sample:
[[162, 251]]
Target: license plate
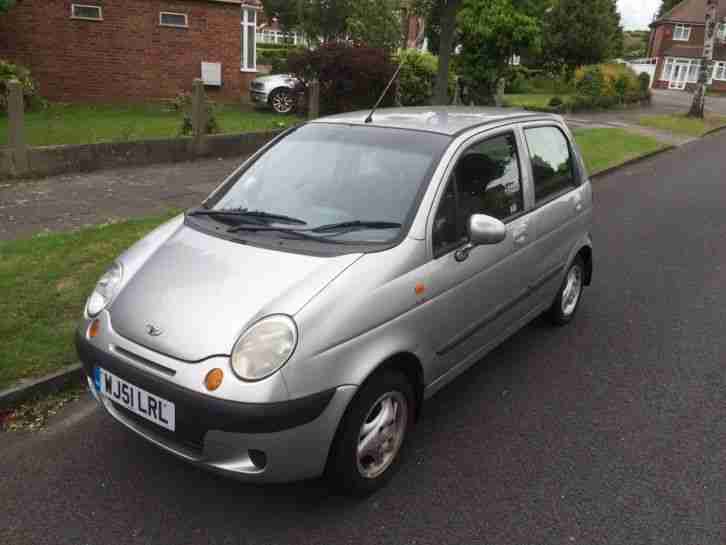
[[149, 406]]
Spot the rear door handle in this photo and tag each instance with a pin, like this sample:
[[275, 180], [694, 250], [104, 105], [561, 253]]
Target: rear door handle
[[578, 207]]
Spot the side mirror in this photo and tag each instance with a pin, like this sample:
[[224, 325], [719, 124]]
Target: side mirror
[[483, 231]]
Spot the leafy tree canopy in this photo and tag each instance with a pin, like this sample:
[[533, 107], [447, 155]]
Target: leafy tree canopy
[[580, 32], [491, 32], [5, 5]]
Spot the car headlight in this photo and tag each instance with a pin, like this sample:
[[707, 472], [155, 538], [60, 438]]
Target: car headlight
[[105, 290], [264, 348]]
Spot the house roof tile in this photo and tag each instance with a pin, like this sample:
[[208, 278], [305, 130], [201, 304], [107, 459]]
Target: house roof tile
[[691, 11]]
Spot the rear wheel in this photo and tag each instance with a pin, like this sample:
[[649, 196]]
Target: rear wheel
[[282, 101], [367, 447], [568, 298]]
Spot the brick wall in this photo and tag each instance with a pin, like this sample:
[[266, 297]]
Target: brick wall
[[127, 56]]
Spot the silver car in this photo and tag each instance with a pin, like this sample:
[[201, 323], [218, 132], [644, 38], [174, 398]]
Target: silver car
[[294, 323], [280, 92]]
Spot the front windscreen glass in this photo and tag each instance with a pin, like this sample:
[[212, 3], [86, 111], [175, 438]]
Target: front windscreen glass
[[338, 183]]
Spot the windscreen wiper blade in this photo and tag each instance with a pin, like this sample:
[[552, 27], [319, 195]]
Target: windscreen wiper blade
[[300, 233], [356, 225], [267, 217]]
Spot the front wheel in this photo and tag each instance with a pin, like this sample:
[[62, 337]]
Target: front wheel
[[568, 298], [367, 447], [282, 101]]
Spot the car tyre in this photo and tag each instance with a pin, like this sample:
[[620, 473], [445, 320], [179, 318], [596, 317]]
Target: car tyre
[[282, 101], [569, 296], [367, 448]]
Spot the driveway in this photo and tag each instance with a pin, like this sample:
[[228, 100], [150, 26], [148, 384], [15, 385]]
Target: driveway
[[609, 431]]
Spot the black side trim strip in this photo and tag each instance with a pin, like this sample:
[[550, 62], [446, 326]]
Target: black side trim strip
[[202, 412], [503, 309]]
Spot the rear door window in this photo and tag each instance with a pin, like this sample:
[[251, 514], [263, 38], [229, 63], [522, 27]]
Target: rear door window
[[553, 166]]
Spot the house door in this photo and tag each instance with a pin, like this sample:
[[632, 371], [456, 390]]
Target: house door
[[679, 77]]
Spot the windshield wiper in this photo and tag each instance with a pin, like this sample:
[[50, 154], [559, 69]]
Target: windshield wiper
[[356, 225], [244, 213], [300, 233]]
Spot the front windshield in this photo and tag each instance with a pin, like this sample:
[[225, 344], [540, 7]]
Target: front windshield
[[326, 174]]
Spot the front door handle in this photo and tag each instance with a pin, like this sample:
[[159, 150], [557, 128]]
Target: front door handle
[[578, 207], [521, 236]]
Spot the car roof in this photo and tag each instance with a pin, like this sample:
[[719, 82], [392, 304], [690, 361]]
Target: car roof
[[449, 120]]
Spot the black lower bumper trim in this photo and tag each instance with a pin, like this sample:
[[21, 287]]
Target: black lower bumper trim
[[198, 412]]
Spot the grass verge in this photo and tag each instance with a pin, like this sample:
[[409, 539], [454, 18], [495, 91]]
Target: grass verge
[[90, 124], [44, 282], [607, 148], [681, 124], [532, 100]]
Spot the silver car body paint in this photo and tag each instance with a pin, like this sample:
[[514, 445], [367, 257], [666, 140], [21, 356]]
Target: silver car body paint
[[353, 311]]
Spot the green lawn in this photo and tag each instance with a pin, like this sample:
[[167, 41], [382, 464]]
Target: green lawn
[[605, 148], [88, 124], [45, 280], [681, 124], [531, 100]]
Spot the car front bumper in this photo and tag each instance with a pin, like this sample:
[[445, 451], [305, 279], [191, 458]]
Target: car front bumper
[[227, 436], [259, 97]]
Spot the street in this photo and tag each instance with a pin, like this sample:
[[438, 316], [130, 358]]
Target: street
[[610, 430]]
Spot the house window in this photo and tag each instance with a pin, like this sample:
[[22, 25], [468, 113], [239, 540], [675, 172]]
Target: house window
[[682, 33], [179, 20], [90, 13], [681, 69], [719, 71], [668, 70], [721, 34], [249, 46]]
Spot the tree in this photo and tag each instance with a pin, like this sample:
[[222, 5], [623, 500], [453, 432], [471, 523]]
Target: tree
[[579, 32], [5, 5], [666, 6], [286, 12], [491, 32], [709, 41], [377, 23]]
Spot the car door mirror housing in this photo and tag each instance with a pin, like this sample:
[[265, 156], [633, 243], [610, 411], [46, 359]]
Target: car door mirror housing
[[483, 231]]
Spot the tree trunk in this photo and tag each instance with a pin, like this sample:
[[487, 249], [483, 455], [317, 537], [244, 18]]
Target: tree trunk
[[448, 29], [706, 71]]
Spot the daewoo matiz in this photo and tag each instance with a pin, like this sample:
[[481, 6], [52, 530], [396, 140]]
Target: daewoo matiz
[[293, 324]]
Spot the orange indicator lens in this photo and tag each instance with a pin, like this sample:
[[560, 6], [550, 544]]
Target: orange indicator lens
[[94, 329], [214, 379]]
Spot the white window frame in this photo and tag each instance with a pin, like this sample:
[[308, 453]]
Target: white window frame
[[74, 16], [176, 14], [245, 24], [693, 67], [719, 66], [685, 33], [721, 33]]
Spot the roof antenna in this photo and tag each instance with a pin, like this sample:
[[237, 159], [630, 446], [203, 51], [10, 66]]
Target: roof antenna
[[420, 40], [369, 119]]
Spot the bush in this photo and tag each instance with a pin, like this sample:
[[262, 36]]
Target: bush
[[275, 57], [556, 102], [608, 85], [183, 103], [9, 71], [644, 81], [351, 77], [418, 77]]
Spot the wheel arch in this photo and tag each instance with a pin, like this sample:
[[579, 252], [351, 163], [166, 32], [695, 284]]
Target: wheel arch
[[586, 253]]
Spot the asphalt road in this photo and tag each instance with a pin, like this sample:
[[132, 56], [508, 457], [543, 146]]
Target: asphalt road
[[611, 430]]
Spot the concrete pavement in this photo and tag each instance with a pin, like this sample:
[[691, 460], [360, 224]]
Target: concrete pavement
[[608, 431]]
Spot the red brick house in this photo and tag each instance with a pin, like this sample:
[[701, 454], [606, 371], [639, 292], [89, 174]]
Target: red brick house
[[133, 50], [676, 42]]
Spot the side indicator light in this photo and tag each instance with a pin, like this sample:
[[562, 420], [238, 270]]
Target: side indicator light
[[420, 288], [213, 380], [94, 329]]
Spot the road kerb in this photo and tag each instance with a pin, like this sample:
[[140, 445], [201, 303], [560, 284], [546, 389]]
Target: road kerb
[[631, 162], [16, 395]]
